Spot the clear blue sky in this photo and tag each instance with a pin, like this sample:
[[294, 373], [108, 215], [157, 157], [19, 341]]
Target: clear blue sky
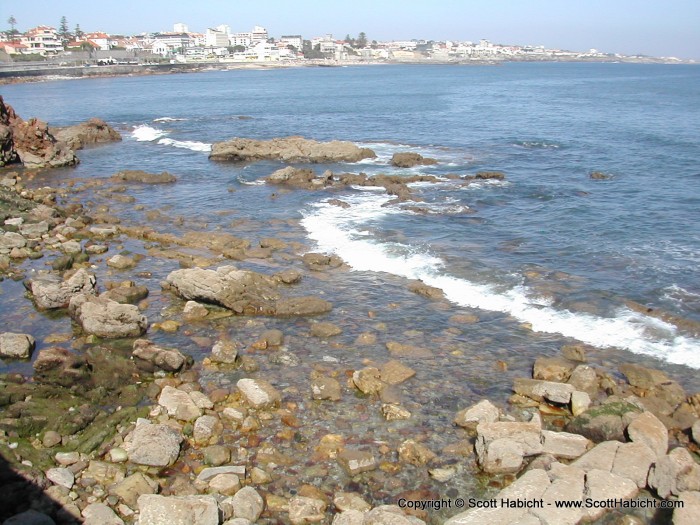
[[652, 27]]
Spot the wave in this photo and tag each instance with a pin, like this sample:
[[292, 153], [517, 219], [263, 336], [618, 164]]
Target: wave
[[338, 230], [537, 144], [186, 144], [168, 119], [145, 133]]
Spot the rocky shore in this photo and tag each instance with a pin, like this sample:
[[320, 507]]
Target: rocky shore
[[115, 425]]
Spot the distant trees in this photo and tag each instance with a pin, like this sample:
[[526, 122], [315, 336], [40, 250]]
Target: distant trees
[[77, 32], [13, 22], [63, 32], [357, 43]]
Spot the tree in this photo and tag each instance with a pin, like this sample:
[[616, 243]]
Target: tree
[[64, 32], [361, 40], [78, 33], [350, 40], [13, 22]]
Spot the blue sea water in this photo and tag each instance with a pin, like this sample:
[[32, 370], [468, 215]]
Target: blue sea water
[[548, 247]]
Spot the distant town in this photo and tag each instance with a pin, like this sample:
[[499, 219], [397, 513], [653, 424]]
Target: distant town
[[65, 47]]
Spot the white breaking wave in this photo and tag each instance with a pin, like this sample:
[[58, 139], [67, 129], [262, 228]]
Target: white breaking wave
[[168, 119], [338, 230], [186, 144], [145, 133]]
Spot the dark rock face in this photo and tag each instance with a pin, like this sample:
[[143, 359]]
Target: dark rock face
[[93, 131]]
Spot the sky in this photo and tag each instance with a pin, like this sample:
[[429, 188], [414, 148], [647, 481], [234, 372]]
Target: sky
[[649, 27]]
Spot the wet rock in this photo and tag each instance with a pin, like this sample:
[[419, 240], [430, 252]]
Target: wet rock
[[36, 147], [345, 501], [325, 330], [288, 276], [34, 230], [555, 369], [224, 352], [56, 365], [393, 412], [179, 404], [103, 473], [193, 311], [106, 318], [368, 380], [564, 445], [580, 402], [10, 240], [177, 510], [400, 350], [585, 379], [126, 293], [247, 504], [689, 513], [695, 432], [208, 474], [50, 291], [288, 149], [206, 429], [325, 388], [409, 160], [93, 131], [675, 473], [303, 510], [121, 262], [394, 372], [415, 453], [502, 445], [642, 377], [61, 476], [258, 393], [425, 290], [16, 346], [356, 461], [482, 412], [599, 175], [225, 484], [153, 445], [302, 306], [118, 455], [149, 356], [272, 338], [130, 488], [543, 390], [321, 262], [297, 178], [633, 461], [605, 422], [144, 177], [647, 429], [100, 514], [490, 175]]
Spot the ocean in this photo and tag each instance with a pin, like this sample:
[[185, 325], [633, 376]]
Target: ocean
[[545, 257]]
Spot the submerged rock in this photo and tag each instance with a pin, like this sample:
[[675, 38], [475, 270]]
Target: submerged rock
[[144, 177], [288, 149]]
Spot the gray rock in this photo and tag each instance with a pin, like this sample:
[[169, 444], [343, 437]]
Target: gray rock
[[580, 402], [345, 501], [106, 318], [50, 291], [17, 346], [34, 230], [356, 461], [121, 262], [675, 473], [564, 445], [224, 352], [600, 457], [482, 412], [689, 513], [248, 504], [153, 445], [131, 487], [258, 393], [9, 240], [100, 514], [178, 510], [633, 461], [500, 456], [602, 485], [647, 429], [226, 484], [61, 476], [349, 517], [543, 390], [303, 510], [179, 404], [526, 434], [208, 474], [567, 484], [325, 388], [555, 369], [585, 379], [206, 428], [643, 377], [325, 330], [150, 356]]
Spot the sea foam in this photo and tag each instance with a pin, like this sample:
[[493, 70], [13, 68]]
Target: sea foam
[[339, 231], [145, 133], [186, 144]]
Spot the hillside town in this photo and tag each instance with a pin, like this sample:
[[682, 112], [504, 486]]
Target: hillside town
[[223, 45]]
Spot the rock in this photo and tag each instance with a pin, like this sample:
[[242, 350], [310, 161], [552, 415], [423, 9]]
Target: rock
[[501, 456], [51, 439], [130, 488], [289, 149], [106, 318], [121, 262], [345, 501], [394, 372], [61, 476], [647, 429], [224, 352], [128, 293], [17, 346], [93, 131], [67, 458], [272, 338], [490, 175], [210, 473], [415, 453], [585, 379], [55, 365], [356, 461], [580, 402], [604, 486], [206, 429], [555, 369], [248, 504], [368, 380], [320, 261], [258, 393], [296, 177], [543, 390], [567, 484], [420, 288], [633, 461], [303, 510], [34, 230], [177, 510], [50, 291], [100, 514], [118, 455], [605, 422], [144, 177], [409, 351], [216, 455], [325, 388], [600, 457], [325, 330], [243, 292], [526, 434], [179, 404], [148, 356], [642, 377], [393, 412], [193, 311], [409, 160], [675, 473], [564, 445], [103, 473], [483, 412], [226, 484], [35, 146], [29, 517], [696, 432], [11, 240], [154, 445], [599, 175], [689, 513]]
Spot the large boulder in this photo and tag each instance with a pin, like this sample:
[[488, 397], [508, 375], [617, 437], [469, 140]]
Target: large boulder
[[36, 147], [243, 292], [150, 357], [106, 318], [18, 346], [177, 510], [288, 149], [93, 131], [153, 445], [409, 160], [50, 291], [605, 422]]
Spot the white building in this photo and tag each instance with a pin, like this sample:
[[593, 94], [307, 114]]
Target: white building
[[42, 40], [224, 29], [180, 28], [216, 38], [258, 34], [292, 40]]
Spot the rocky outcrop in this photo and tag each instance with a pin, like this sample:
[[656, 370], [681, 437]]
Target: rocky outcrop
[[106, 318], [148, 356], [50, 291], [243, 292], [409, 160], [144, 177], [93, 131], [288, 149]]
